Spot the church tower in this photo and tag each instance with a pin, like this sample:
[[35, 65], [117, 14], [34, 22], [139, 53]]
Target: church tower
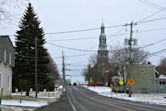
[[102, 51]]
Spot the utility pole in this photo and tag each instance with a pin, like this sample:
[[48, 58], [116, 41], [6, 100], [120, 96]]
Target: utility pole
[[36, 80], [130, 47], [130, 41], [63, 70]]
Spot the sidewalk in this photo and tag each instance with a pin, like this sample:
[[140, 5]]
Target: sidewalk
[[62, 105]]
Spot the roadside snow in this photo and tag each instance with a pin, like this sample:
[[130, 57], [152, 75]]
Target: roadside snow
[[23, 103], [44, 98], [155, 98]]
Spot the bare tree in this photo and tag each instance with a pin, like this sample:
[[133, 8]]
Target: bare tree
[[122, 55], [93, 60], [162, 66], [7, 6]]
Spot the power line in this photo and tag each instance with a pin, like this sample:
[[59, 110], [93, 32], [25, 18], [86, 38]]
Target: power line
[[113, 35], [153, 14], [75, 55], [153, 43], [113, 26], [69, 48], [152, 20], [75, 39], [83, 30], [160, 51], [151, 4]]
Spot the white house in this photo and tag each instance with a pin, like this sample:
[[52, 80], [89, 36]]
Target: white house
[[6, 63]]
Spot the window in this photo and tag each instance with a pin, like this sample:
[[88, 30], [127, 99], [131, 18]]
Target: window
[[10, 59], [4, 56], [0, 81], [8, 82], [162, 82]]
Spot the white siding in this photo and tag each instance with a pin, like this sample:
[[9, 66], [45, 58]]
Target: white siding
[[6, 78], [0, 80], [10, 59], [4, 56]]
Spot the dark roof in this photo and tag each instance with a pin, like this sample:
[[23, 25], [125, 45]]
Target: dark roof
[[5, 40]]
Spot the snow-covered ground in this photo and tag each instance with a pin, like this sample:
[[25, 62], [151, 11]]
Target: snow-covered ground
[[24, 103], [145, 98], [28, 104]]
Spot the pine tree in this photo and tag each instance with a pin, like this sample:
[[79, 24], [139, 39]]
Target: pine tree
[[24, 72]]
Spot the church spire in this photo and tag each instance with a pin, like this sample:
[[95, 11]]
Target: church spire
[[102, 28], [102, 51]]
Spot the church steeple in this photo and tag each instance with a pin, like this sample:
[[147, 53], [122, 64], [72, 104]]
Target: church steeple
[[102, 51], [102, 28]]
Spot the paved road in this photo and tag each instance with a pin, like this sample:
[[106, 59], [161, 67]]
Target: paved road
[[82, 99]]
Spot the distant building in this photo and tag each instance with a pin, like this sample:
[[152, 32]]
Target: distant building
[[161, 83], [6, 63], [145, 78]]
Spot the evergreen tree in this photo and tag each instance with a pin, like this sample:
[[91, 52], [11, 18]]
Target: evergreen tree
[[24, 72]]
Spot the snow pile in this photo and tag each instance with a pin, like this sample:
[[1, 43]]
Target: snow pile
[[100, 89], [24, 103], [144, 98]]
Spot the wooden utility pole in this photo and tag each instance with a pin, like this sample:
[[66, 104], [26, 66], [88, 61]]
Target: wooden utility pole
[[130, 46], [130, 41], [63, 70], [36, 80]]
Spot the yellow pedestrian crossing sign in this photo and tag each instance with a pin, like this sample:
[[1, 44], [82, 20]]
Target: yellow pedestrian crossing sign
[[121, 82]]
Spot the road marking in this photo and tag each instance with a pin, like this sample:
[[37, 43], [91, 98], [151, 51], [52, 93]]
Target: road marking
[[74, 108]]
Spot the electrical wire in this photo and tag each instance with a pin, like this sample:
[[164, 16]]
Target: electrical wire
[[83, 30], [153, 43], [75, 55], [113, 35], [157, 52], [69, 48], [151, 4], [152, 20], [151, 15]]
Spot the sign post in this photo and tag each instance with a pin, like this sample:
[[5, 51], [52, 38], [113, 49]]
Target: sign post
[[131, 83], [121, 82]]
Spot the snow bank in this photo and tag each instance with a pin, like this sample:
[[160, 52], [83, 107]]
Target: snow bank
[[24, 103], [144, 98]]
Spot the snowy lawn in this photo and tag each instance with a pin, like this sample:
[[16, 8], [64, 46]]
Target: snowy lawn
[[145, 98], [11, 102], [29, 103]]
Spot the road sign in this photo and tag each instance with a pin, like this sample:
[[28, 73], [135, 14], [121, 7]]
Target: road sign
[[121, 82], [131, 82]]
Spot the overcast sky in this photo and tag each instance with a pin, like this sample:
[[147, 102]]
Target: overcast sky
[[68, 15]]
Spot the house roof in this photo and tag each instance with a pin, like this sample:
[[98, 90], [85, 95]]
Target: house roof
[[5, 41], [162, 76]]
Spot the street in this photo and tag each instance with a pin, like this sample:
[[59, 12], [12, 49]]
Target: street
[[81, 99]]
